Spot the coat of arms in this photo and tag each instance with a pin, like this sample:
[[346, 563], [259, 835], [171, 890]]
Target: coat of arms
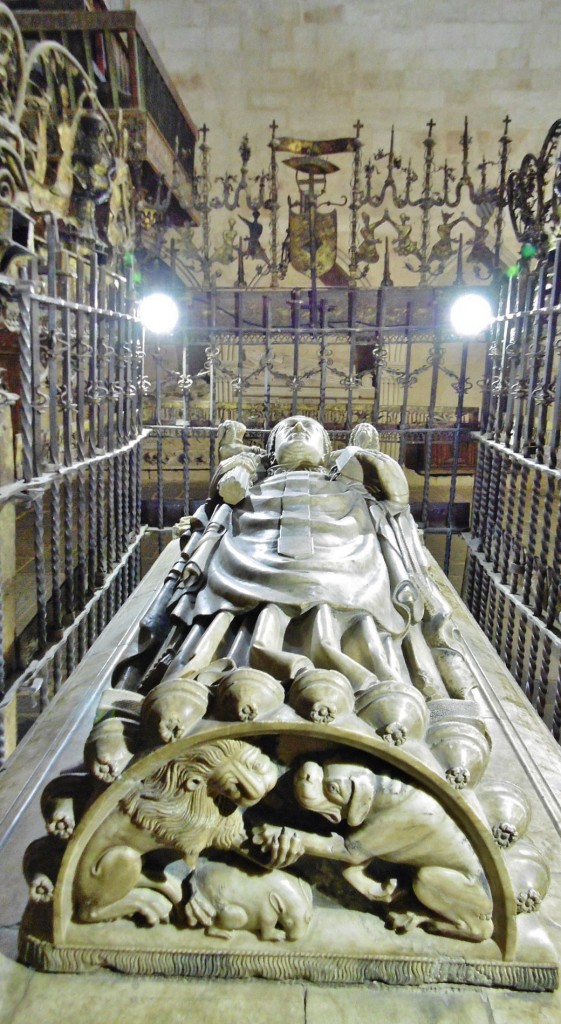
[[312, 235], [312, 238]]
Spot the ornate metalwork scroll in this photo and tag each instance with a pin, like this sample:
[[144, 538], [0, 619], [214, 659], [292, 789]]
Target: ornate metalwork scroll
[[534, 194], [60, 154], [434, 222]]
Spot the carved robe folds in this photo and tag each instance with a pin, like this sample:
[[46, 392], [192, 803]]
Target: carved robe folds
[[298, 539], [300, 543]]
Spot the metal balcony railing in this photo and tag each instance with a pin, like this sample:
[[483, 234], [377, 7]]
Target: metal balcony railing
[[117, 53]]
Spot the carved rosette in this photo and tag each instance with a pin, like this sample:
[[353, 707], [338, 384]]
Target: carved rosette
[[396, 712], [243, 695], [321, 696], [461, 746], [507, 810]]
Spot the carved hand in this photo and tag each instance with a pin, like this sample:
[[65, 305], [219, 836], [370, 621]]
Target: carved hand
[[183, 526], [285, 845], [236, 481], [391, 477]]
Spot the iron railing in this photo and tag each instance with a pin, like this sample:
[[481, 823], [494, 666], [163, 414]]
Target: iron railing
[[76, 491], [93, 461], [388, 356], [513, 584]]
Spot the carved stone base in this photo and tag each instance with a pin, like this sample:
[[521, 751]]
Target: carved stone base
[[337, 950]]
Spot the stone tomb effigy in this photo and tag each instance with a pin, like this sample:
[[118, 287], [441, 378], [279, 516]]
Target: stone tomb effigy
[[300, 771]]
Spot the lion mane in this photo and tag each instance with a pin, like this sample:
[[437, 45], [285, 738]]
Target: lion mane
[[173, 804]]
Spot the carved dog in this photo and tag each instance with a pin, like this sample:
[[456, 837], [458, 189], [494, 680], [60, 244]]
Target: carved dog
[[393, 821]]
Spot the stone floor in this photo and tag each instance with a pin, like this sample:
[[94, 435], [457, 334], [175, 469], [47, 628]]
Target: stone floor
[[106, 997]]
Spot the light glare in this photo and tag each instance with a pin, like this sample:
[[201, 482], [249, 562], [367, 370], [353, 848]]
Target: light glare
[[471, 314], [158, 313]]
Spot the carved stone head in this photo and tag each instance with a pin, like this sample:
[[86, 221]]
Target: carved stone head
[[244, 777], [336, 791], [299, 442], [365, 435]]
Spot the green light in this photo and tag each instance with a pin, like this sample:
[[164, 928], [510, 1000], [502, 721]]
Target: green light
[[528, 251], [128, 259], [513, 271], [137, 277]]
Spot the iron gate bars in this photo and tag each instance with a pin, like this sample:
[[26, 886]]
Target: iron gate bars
[[386, 355], [76, 498], [514, 572]]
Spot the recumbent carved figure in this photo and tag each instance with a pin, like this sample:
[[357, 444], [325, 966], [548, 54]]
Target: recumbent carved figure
[[304, 558]]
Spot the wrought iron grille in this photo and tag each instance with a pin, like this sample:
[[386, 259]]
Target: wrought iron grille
[[513, 583], [71, 507], [395, 220], [71, 511], [388, 356]]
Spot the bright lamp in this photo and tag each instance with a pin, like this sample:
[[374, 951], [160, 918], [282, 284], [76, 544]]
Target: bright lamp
[[158, 313], [471, 314]]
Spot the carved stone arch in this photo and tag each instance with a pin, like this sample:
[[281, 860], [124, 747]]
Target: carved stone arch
[[410, 766], [479, 836]]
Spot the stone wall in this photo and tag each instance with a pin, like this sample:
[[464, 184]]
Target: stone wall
[[317, 65]]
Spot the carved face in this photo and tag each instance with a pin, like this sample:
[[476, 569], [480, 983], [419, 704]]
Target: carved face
[[245, 778], [364, 435], [93, 164], [300, 441], [337, 791]]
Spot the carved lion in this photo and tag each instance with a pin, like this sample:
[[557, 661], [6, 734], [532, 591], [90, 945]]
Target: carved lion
[[390, 820], [188, 804]]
